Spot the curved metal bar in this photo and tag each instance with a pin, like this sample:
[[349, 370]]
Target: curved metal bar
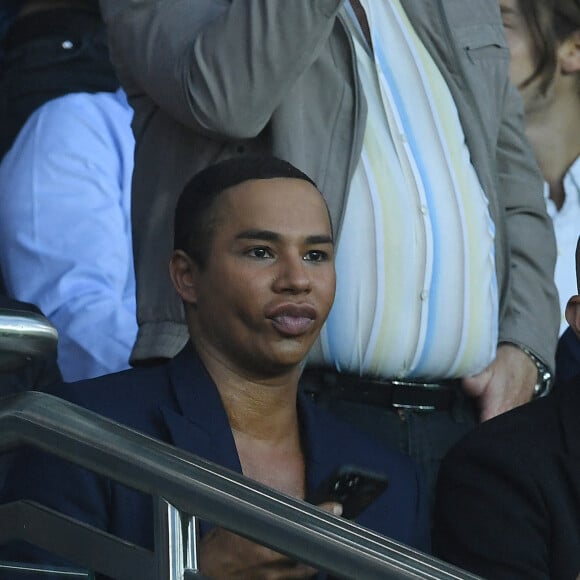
[[24, 336], [75, 541], [211, 492]]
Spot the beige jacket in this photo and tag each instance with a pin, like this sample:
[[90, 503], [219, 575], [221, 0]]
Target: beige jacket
[[211, 79]]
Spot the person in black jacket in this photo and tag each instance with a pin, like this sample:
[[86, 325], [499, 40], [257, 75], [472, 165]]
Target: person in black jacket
[[508, 495]]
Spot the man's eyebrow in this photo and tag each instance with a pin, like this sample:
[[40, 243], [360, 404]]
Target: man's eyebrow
[[269, 236], [265, 235], [321, 239]]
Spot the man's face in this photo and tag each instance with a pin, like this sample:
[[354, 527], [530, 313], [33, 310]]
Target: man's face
[[269, 281], [578, 264], [573, 306], [522, 54]]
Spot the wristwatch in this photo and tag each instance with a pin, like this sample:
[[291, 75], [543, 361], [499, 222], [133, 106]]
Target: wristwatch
[[544, 381]]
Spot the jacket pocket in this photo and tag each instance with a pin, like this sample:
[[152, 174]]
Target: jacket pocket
[[484, 44]]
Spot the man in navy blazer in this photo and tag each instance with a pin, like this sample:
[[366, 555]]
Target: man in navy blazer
[[508, 495], [254, 266]]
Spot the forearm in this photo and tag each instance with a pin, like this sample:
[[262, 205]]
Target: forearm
[[530, 316], [92, 308], [221, 68], [96, 337]]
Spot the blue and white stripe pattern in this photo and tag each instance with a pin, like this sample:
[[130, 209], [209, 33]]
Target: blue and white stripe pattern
[[417, 290]]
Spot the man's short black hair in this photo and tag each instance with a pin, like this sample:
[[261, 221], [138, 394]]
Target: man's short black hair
[[194, 218]]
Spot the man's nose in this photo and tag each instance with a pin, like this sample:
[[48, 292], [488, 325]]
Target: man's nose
[[293, 275]]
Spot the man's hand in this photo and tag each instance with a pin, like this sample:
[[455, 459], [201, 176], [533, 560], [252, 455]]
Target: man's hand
[[227, 555], [506, 383]]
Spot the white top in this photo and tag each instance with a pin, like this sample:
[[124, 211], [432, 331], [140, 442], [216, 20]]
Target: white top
[[567, 228]]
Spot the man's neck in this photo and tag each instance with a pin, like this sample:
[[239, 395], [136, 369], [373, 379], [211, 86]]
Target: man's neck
[[260, 412], [555, 137], [263, 417], [261, 407]]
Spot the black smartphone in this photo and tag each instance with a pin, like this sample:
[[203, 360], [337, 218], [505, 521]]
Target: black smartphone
[[352, 486]]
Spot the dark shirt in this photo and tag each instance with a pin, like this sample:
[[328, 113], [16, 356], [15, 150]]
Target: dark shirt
[[8, 9], [47, 54]]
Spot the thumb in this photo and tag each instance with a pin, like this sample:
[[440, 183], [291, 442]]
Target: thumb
[[475, 385], [332, 507]]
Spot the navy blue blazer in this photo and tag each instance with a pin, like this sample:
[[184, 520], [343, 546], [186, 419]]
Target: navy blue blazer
[[178, 403]]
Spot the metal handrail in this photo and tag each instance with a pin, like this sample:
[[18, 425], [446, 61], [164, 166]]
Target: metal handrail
[[211, 492], [25, 336]]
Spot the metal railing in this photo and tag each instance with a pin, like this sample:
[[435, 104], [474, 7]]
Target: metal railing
[[193, 486], [24, 336]]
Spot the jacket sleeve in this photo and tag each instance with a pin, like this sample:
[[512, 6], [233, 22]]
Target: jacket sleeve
[[490, 516], [530, 315], [217, 66]]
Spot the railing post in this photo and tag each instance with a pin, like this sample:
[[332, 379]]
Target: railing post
[[169, 544], [176, 543], [191, 526]]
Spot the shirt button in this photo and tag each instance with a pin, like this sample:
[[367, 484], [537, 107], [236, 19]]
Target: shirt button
[[425, 295], [423, 209], [67, 44]]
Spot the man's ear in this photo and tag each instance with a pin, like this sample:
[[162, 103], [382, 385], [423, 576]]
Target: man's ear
[[183, 271], [569, 54], [573, 314]]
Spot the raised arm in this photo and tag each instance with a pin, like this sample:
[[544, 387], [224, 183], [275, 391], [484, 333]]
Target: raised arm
[[216, 66]]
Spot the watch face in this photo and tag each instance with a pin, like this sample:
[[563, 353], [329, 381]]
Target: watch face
[[544, 380], [544, 384]]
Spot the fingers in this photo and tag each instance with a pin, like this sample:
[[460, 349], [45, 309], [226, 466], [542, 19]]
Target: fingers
[[506, 383], [475, 386], [227, 555]]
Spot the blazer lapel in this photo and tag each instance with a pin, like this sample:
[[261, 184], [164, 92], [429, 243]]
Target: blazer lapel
[[323, 455], [198, 423]]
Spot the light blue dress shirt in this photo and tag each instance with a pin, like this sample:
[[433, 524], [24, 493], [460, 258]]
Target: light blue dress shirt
[[65, 227]]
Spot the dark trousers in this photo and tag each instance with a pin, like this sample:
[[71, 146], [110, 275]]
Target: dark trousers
[[426, 436], [47, 55]]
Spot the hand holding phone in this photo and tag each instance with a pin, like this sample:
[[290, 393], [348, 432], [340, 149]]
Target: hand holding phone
[[351, 486]]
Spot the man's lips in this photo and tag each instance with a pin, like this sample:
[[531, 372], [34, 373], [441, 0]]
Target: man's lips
[[292, 319]]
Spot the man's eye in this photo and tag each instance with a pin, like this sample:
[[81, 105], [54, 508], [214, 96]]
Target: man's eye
[[316, 256], [260, 253]]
